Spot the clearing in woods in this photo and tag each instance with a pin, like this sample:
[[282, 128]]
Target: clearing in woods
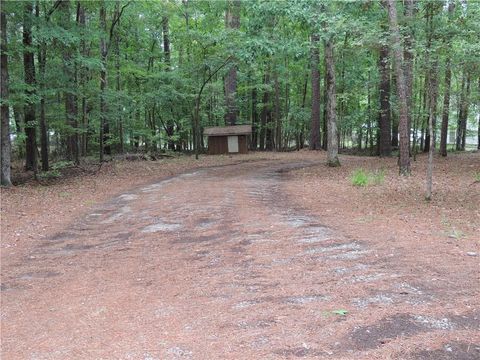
[[266, 259]]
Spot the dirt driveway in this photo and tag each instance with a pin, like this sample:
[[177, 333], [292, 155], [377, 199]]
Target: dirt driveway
[[220, 264]]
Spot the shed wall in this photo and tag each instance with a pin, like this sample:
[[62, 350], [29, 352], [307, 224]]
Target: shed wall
[[219, 145]]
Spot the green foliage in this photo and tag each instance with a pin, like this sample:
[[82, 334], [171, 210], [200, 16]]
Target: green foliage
[[477, 176], [51, 174], [340, 312], [359, 178], [363, 178], [150, 103], [59, 165], [55, 170]]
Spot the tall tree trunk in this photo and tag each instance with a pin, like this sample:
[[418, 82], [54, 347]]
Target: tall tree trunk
[[267, 114], [5, 148], [166, 52], [465, 104], [478, 105], [42, 63], [118, 87], [232, 21], [315, 120], [446, 95], [463, 111], [432, 113], [254, 119], [324, 112], [385, 126], [425, 139], [70, 97], [83, 79], [29, 69], [276, 113], [332, 137], [404, 161], [104, 126], [301, 136], [408, 64], [265, 111], [446, 108], [369, 115]]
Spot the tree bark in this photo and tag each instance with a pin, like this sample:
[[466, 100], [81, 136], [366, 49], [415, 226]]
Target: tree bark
[[82, 80], [70, 97], [463, 113], [276, 113], [384, 123], [432, 113], [332, 136], [324, 112], [478, 104], [232, 21], [104, 126], [265, 111], [42, 63], [408, 57], [166, 53], [5, 148], [446, 108], [254, 119], [29, 70], [315, 120], [404, 161], [446, 95]]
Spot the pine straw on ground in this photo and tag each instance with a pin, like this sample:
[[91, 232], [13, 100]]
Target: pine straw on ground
[[40, 208], [36, 209], [433, 245], [429, 240]]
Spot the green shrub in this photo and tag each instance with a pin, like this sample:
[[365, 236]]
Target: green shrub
[[61, 165], [49, 174], [359, 178]]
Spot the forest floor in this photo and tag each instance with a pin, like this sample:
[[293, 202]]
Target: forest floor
[[261, 256]]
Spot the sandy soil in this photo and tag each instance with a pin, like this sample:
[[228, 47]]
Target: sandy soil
[[277, 257]]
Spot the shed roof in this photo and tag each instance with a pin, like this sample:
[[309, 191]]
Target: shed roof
[[228, 130]]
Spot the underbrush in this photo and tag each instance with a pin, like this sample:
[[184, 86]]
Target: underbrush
[[361, 178]]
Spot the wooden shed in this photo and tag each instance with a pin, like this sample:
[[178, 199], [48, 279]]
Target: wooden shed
[[228, 139]]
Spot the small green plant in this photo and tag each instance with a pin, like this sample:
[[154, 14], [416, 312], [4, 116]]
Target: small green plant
[[362, 178], [61, 165], [359, 178], [477, 176], [52, 174], [340, 312]]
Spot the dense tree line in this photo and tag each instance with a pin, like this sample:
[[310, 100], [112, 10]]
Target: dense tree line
[[97, 78]]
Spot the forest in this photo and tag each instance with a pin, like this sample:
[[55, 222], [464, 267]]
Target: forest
[[344, 223], [93, 79]]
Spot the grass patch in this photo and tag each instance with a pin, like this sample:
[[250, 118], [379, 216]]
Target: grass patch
[[477, 176], [363, 178], [52, 174], [359, 178]]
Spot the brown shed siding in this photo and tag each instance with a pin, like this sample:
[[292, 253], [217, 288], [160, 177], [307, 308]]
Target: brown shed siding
[[219, 145], [242, 144]]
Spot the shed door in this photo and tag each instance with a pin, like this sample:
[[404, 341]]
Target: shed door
[[233, 144]]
